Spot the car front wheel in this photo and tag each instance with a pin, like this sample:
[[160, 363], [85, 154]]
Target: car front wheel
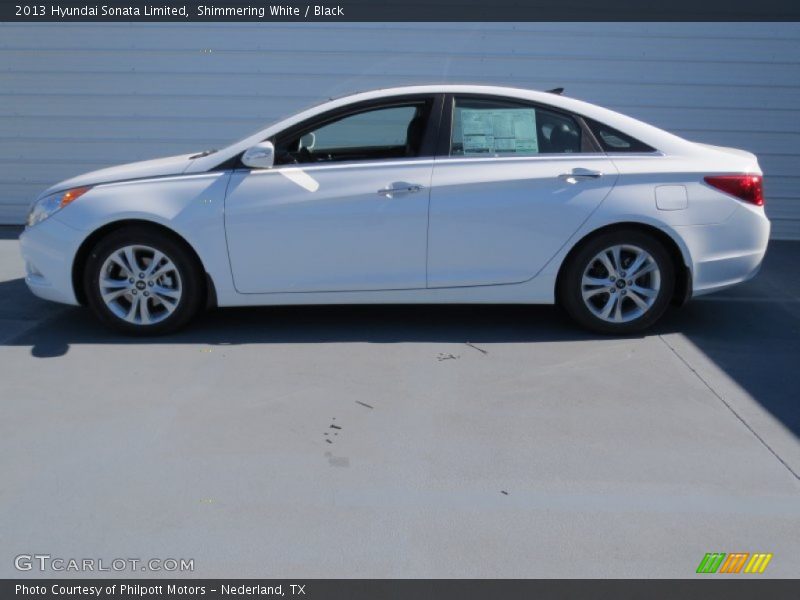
[[618, 282], [144, 282]]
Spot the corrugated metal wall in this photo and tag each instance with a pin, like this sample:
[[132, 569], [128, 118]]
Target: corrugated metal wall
[[75, 97]]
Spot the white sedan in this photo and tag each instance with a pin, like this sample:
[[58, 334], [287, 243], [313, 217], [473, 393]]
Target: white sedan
[[425, 194]]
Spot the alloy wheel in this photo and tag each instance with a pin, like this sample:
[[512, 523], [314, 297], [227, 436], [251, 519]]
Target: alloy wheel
[[140, 284], [621, 283]]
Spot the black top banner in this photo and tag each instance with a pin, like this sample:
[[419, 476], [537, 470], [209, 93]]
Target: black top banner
[[399, 10]]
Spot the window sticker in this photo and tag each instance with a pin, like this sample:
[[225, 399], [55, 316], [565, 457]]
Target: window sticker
[[499, 131]]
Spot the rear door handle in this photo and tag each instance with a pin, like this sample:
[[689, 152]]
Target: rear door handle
[[400, 187], [580, 175]]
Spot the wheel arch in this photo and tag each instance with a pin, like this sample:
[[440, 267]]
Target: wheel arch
[[683, 274], [79, 262]]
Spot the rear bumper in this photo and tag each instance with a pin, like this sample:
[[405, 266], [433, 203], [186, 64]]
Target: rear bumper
[[729, 253], [48, 249]]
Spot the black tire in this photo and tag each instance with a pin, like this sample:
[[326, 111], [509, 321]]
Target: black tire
[[190, 276], [570, 292]]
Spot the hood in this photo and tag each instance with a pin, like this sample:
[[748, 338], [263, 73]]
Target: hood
[[172, 165]]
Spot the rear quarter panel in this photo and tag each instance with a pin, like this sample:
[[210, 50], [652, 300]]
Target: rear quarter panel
[[711, 228]]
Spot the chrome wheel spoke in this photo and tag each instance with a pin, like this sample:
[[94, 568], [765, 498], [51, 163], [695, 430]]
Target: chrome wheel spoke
[[609, 306], [595, 281], [166, 297], [113, 288], [592, 286], [633, 268], [134, 308], [169, 305], [162, 271], [119, 260], [109, 296], [637, 299], [648, 268], [156, 260], [603, 257], [646, 292], [144, 311], [618, 310], [130, 259], [592, 293], [615, 254], [161, 291], [113, 284]]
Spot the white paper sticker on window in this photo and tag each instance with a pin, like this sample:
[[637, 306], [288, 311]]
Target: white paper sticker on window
[[499, 131]]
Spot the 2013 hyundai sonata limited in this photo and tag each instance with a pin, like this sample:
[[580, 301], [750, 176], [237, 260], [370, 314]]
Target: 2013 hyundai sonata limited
[[425, 194]]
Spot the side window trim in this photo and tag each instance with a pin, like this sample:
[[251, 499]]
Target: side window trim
[[589, 138], [446, 127]]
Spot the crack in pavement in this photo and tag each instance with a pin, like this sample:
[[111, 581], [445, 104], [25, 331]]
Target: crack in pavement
[[730, 408]]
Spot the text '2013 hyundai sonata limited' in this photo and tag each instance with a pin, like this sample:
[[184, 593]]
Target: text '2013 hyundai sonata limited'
[[425, 194]]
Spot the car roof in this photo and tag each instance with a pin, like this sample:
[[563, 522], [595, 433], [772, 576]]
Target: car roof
[[650, 135]]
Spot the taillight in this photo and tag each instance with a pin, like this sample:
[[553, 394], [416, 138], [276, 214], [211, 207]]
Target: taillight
[[745, 187]]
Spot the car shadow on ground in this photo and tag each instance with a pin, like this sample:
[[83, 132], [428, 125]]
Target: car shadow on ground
[[379, 324], [752, 332], [10, 232]]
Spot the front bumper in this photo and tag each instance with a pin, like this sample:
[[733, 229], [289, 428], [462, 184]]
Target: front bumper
[[49, 249]]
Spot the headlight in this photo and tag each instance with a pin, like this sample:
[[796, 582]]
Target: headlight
[[44, 207]]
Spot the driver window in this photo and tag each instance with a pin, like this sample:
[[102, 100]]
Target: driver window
[[382, 133]]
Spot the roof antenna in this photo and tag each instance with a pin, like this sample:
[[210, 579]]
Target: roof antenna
[[558, 91]]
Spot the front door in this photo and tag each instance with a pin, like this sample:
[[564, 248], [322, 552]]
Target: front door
[[344, 209]]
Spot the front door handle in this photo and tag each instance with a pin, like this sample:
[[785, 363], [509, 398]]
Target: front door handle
[[400, 187], [580, 175]]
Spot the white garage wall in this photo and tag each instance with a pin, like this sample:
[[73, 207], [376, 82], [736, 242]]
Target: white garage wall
[[75, 97]]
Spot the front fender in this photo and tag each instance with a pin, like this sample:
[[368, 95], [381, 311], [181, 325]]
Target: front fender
[[192, 206]]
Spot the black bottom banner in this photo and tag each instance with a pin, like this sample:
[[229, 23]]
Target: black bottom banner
[[412, 589]]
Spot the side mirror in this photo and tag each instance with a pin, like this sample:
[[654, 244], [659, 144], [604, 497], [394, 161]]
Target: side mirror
[[260, 156]]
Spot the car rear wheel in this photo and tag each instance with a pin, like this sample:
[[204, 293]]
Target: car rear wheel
[[618, 282], [141, 281]]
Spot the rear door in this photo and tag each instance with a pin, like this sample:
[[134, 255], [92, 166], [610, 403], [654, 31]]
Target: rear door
[[515, 181]]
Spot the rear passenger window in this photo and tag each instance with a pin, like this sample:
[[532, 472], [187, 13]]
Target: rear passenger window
[[483, 127], [612, 140]]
